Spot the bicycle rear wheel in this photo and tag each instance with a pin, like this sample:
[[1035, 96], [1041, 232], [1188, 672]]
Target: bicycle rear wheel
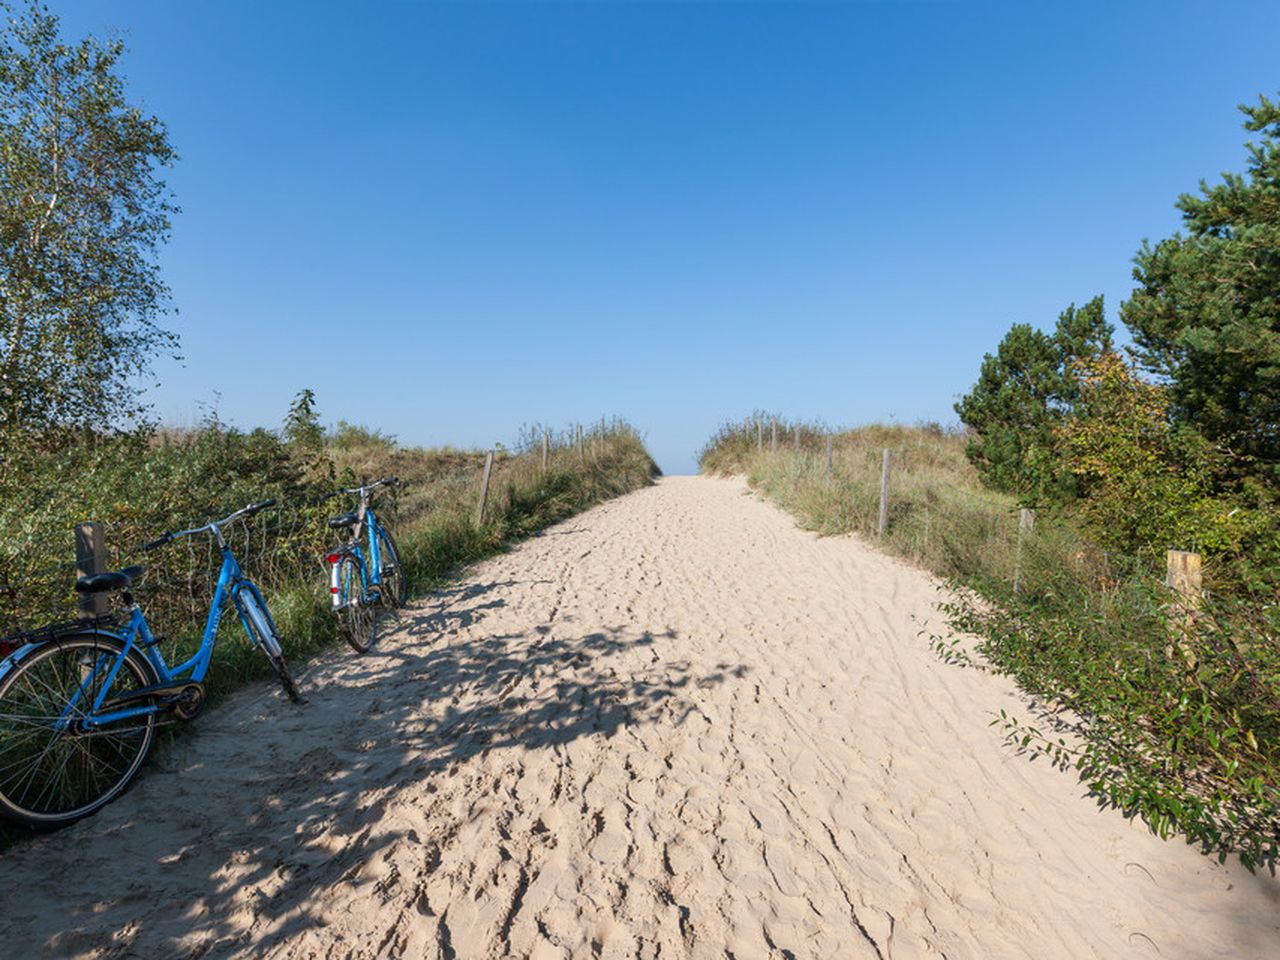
[[357, 614], [53, 770]]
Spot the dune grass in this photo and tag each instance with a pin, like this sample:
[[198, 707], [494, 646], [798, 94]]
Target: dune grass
[[940, 517]]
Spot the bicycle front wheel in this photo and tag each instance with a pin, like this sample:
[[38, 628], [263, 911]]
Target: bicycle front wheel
[[357, 614], [264, 638], [53, 769], [395, 586]]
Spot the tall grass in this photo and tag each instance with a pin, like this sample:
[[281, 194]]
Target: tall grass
[[1176, 711], [140, 486], [939, 515]]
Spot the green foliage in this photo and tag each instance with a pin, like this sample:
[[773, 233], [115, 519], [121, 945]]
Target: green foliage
[[1206, 313], [302, 427], [1178, 725], [82, 212], [349, 436], [1146, 485], [1024, 391]]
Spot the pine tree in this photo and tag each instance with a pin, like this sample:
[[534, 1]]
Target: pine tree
[[1206, 314]]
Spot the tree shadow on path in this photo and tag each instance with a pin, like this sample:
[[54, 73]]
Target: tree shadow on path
[[247, 826]]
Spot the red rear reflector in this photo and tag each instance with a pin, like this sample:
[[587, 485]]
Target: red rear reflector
[[333, 589], [333, 558]]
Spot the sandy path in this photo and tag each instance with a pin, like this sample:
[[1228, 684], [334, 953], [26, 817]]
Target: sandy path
[[673, 726]]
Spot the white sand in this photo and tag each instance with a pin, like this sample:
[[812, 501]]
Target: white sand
[[673, 726]]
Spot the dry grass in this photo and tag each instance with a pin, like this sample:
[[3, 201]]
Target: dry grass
[[940, 516]]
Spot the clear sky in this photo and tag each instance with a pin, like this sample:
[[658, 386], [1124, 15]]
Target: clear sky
[[449, 220]]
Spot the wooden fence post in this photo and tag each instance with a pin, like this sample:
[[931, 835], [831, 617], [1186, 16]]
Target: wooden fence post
[[1026, 523], [546, 450], [484, 488], [773, 437], [759, 435], [797, 439], [883, 525], [829, 457], [91, 558], [582, 452], [1182, 576]]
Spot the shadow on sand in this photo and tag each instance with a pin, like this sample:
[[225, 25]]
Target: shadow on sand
[[198, 840]]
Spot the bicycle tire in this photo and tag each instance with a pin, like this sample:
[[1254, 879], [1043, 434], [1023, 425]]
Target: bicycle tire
[[78, 771], [357, 618], [286, 679], [395, 586]]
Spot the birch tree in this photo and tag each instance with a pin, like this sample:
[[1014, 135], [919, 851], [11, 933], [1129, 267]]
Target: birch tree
[[83, 211]]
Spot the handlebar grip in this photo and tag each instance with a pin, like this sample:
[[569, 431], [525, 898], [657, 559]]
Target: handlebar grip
[[255, 507], [154, 544]]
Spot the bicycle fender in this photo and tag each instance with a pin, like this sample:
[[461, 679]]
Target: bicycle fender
[[8, 662]]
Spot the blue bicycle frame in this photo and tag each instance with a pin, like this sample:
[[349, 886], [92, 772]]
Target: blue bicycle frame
[[367, 526], [371, 572], [232, 585]]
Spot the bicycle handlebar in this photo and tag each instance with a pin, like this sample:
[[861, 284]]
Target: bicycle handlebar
[[248, 510], [367, 488]]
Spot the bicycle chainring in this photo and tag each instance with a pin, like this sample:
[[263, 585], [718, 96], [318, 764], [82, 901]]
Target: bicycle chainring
[[188, 702]]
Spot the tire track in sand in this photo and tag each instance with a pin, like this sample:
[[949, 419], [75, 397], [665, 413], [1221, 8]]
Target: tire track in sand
[[672, 726]]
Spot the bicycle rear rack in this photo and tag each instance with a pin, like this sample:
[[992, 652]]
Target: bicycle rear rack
[[53, 631]]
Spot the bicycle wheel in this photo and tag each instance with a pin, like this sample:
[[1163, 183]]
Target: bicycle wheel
[[52, 770], [264, 637], [286, 679], [395, 586], [357, 617]]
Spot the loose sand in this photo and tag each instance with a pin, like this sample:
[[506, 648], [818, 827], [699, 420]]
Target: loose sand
[[673, 726]]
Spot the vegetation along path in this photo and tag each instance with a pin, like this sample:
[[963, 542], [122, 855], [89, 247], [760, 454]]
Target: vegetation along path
[[675, 725]]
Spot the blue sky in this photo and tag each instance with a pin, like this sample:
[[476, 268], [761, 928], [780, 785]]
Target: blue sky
[[452, 219]]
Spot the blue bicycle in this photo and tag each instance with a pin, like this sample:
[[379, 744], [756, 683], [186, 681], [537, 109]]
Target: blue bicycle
[[80, 702], [366, 580]]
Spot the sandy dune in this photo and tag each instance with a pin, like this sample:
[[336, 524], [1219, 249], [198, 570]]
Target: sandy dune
[[674, 726]]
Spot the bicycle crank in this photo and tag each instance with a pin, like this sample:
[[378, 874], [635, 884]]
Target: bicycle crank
[[184, 700]]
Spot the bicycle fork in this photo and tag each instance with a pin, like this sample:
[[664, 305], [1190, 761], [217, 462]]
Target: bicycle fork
[[262, 628]]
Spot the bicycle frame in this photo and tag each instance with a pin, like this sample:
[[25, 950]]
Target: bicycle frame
[[370, 572], [231, 584]]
